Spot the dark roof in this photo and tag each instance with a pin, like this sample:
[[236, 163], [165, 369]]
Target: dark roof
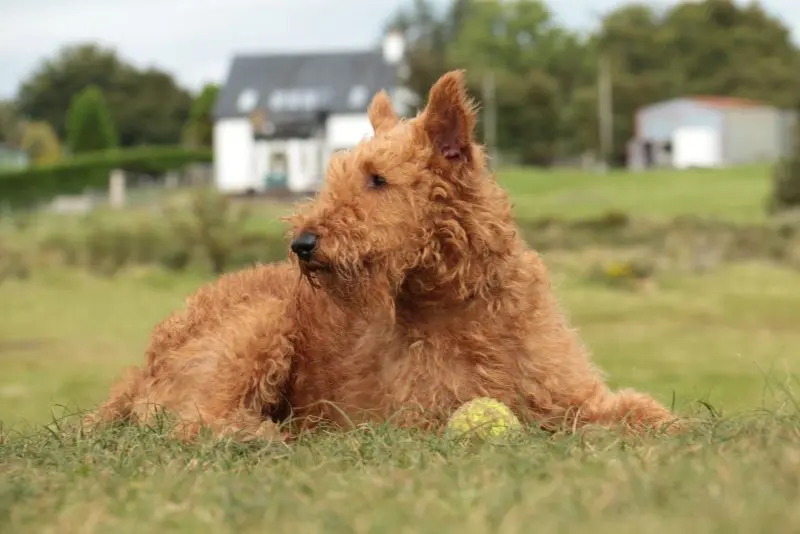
[[287, 84], [726, 101]]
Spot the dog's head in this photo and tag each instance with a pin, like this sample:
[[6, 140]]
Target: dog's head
[[409, 213]]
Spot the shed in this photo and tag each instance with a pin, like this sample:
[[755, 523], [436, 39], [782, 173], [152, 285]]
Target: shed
[[709, 131]]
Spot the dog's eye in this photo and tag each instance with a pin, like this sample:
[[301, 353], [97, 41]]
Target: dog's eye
[[376, 180]]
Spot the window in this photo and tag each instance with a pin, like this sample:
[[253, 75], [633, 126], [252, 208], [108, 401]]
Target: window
[[358, 96], [297, 99], [247, 100]]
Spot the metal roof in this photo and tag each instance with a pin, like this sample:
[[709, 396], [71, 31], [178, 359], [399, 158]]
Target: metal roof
[[725, 101], [284, 86]]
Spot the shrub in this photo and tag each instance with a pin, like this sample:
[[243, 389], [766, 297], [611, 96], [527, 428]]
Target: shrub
[[15, 252], [14, 262], [207, 233], [27, 187], [212, 225], [41, 144], [785, 186], [786, 179], [628, 274]]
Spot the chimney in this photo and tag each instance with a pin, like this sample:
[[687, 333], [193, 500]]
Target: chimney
[[394, 45]]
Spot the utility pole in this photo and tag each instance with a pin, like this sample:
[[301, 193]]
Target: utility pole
[[490, 118], [605, 109]]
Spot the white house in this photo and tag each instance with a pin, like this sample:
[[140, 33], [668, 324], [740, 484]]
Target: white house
[[279, 117]]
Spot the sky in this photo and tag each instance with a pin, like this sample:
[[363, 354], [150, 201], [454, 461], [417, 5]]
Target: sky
[[196, 39]]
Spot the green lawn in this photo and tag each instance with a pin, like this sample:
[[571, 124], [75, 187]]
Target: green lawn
[[733, 476], [729, 338], [736, 194], [700, 337]]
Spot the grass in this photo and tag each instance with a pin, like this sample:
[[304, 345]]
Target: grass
[[711, 337], [737, 194], [375, 480], [722, 344]]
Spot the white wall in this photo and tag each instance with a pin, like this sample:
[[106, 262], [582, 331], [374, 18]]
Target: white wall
[[696, 146], [346, 131], [242, 163], [233, 155], [752, 135], [305, 171]]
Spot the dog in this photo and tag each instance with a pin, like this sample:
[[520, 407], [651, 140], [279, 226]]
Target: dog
[[407, 292]]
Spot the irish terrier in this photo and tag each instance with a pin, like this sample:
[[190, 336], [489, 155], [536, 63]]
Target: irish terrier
[[409, 292]]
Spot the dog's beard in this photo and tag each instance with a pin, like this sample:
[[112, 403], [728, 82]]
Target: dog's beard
[[364, 287]]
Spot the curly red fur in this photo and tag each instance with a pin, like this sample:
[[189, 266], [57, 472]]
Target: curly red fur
[[420, 296]]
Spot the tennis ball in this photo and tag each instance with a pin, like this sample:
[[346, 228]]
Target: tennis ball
[[484, 418]]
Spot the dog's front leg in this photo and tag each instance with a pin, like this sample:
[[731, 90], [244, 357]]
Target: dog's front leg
[[229, 379]]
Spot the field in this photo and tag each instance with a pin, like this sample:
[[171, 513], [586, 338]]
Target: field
[[722, 345]]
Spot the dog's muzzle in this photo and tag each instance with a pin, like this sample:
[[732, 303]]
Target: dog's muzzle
[[304, 244]]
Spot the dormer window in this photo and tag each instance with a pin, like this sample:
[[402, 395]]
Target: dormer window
[[247, 100], [358, 96]]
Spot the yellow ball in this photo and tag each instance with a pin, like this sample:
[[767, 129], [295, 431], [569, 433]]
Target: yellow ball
[[483, 418]]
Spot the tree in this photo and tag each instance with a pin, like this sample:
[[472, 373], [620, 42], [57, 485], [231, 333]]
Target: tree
[[715, 47], [427, 36], [148, 107], [11, 124], [724, 48], [198, 130], [547, 76], [89, 125], [537, 66], [41, 144], [631, 40]]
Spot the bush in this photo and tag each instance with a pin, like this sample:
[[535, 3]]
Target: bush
[[206, 233], [785, 186], [210, 233], [28, 187], [40, 143], [212, 225], [633, 274], [14, 264], [786, 179]]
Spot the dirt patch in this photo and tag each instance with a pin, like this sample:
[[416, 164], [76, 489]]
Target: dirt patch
[[23, 345]]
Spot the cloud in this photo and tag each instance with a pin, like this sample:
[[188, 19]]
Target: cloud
[[195, 39]]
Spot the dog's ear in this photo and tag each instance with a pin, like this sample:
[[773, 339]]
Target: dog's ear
[[449, 118], [382, 115]]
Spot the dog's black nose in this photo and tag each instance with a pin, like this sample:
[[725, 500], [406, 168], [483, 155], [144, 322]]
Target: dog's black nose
[[304, 245]]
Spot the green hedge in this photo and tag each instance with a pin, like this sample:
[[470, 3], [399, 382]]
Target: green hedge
[[27, 187]]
